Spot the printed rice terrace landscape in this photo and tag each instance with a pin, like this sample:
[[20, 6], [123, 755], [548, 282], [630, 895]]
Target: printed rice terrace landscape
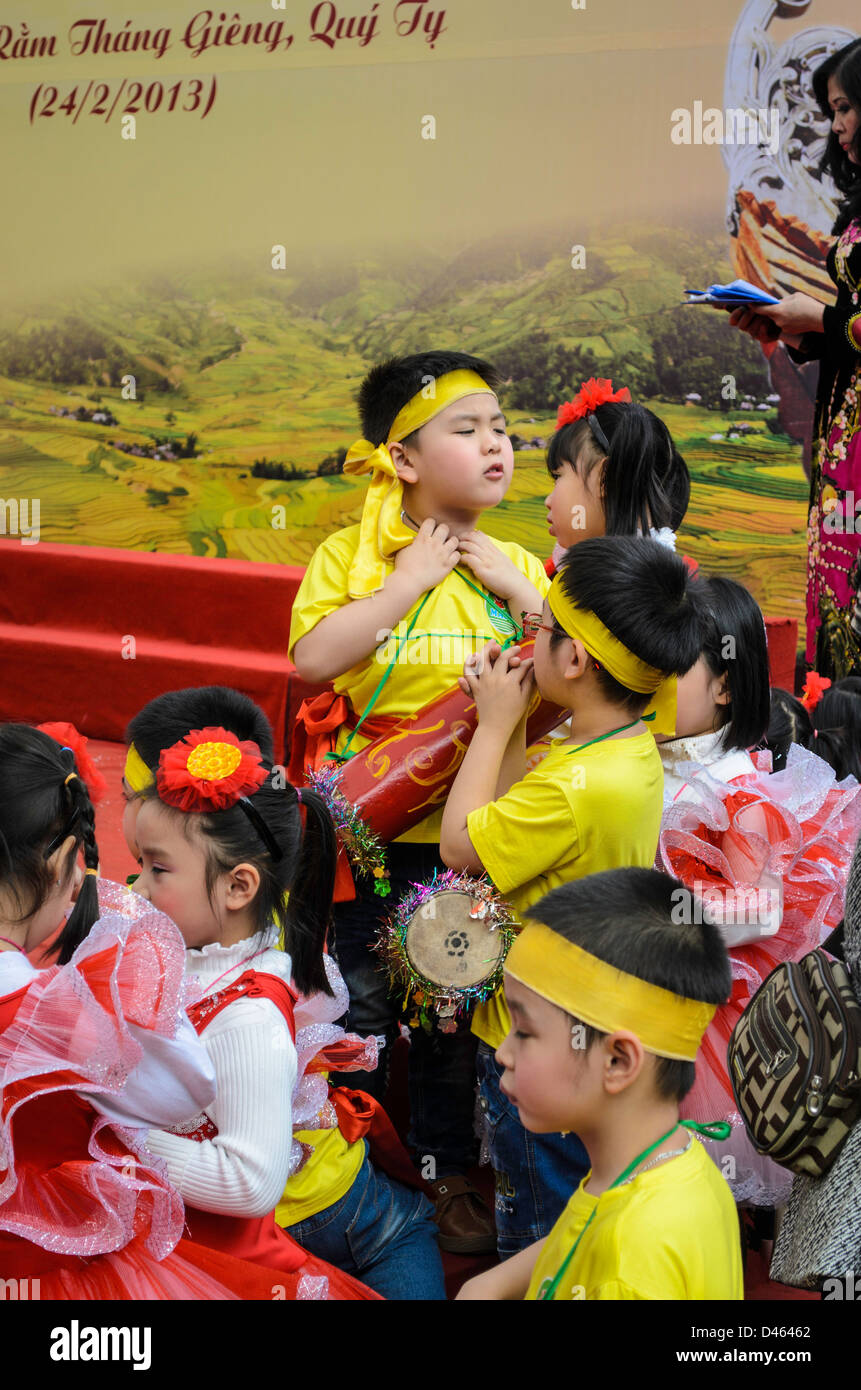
[[246, 381]]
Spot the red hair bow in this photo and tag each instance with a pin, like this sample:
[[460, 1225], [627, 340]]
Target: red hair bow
[[68, 737], [591, 394], [814, 688], [209, 770]]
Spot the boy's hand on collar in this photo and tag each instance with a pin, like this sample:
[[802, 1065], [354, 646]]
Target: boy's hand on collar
[[431, 557], [495, 571]]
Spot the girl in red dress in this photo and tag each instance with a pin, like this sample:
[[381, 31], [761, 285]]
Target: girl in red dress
[[92, 1053], [229, 852], [766, 853]]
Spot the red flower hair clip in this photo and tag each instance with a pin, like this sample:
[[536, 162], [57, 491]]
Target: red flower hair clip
[[68, 737], [814, 688], [209, 770], [591, 394]]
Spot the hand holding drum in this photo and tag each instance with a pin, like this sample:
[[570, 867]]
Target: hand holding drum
[[407, 773]]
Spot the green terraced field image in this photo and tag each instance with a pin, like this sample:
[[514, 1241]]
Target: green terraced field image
[[245, 385]]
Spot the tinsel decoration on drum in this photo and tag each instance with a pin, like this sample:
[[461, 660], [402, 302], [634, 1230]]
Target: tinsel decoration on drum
[[445, 946], [362, 846]]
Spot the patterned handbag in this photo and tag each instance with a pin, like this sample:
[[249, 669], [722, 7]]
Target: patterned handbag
[[794, 1061]]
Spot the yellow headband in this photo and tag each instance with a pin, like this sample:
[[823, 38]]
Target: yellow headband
[[606, 998], [136, 772], [616, 659], [383, 531]]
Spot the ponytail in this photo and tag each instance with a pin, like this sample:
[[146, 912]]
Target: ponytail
[[44, 802], [309, 907], [296, 860], [85, 911], [645, 482], [831, 730], [836, 722], [789, 722]]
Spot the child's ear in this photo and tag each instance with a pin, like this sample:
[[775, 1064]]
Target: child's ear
[[63, 860], [624, 1059], [405, 470], [722, 692], [579, 662], [241, 887]]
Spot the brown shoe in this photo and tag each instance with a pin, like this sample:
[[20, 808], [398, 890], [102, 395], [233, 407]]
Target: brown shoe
[[464, 1220]]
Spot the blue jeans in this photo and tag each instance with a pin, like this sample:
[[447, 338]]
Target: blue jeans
[[535, 1173], [382, 1233], [441, 1066]]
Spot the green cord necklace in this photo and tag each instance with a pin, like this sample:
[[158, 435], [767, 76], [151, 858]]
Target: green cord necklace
[[719, 1130], [500, 619], [500, 616], [621, 729]]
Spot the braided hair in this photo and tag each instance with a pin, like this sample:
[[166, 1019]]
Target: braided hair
[[43, 801]]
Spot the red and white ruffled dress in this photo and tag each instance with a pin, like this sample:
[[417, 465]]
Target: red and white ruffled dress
[[90, 1054], [770, 854], [230, 1162]]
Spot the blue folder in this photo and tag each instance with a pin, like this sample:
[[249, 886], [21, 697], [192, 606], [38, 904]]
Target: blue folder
[[739, 294]]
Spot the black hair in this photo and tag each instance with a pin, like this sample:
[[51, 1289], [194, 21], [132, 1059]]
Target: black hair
[[389, 385], [168, 718], [789, 722], [845, 65], [837, 731], [43, 802], [850, 685], [641, 591], [645, 481], [631, 919], [734, 644], [832, 730], [305, 869]]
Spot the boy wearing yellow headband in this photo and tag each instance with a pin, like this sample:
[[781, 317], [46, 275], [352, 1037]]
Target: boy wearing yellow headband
[[389, 610], [617, 623], [609, 1000]]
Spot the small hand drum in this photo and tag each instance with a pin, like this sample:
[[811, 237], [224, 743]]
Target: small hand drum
[[448, 941]]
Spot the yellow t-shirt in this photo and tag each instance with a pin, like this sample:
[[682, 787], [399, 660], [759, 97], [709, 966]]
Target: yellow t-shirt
[[672, 1233], [454, 622], [577, 813], [327, 1174]]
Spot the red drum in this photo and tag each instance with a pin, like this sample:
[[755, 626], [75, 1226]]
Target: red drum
[[407, 773]]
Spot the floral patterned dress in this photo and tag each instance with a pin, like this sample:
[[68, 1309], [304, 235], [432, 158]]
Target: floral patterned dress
[[834, 523]]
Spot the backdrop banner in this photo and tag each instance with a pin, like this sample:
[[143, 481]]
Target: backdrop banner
[[218, 219]]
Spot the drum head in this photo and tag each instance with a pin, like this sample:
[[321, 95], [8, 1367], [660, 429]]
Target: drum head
[[448, 947]]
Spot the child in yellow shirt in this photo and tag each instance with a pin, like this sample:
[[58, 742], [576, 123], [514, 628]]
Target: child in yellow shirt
[[617, 623], [389, 610], [609, 1000]]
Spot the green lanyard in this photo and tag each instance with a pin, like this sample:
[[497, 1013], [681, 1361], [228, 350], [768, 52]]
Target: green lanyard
[[719, 1130], [346, 754], [621, 729], [491, 608]]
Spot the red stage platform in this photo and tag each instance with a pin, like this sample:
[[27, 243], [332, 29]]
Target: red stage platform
[[90, 634]]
